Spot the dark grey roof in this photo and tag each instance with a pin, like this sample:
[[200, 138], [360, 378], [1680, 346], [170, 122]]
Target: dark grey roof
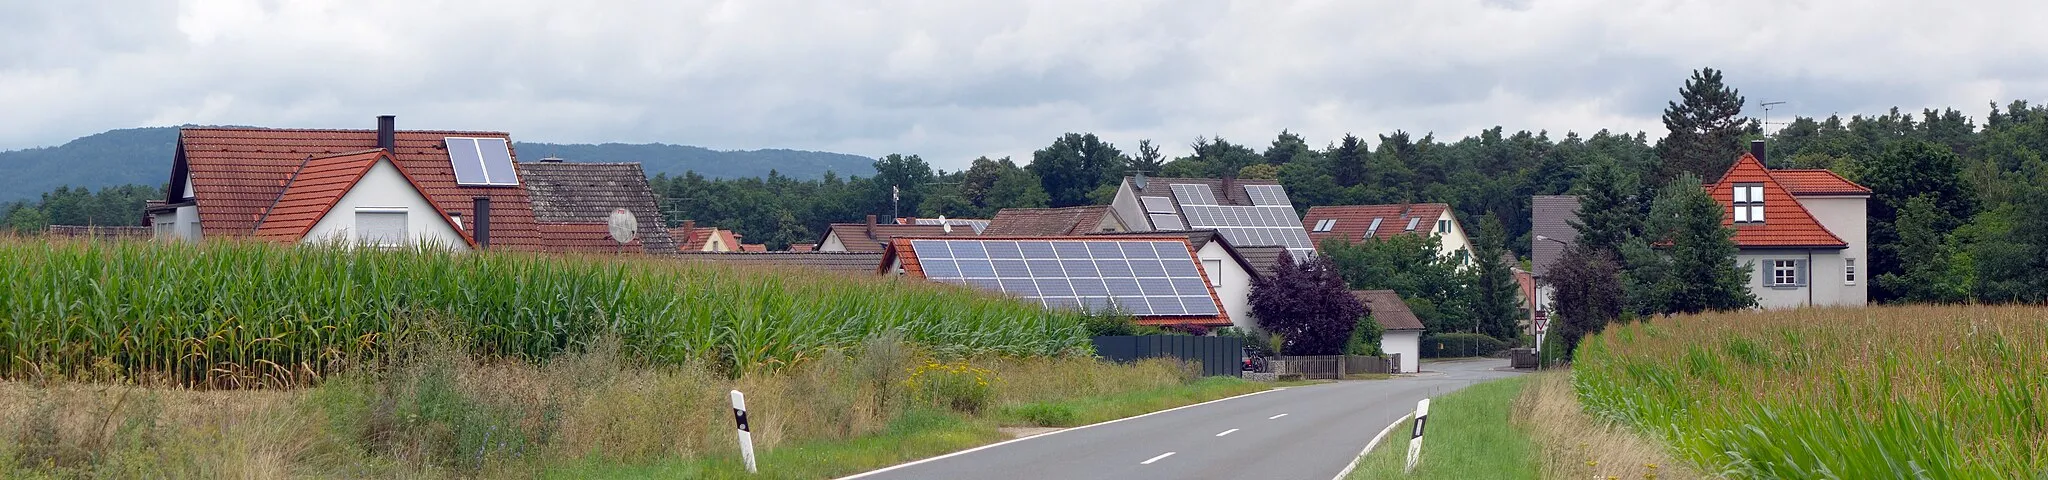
[[1551, 216], [1387, 308], [1046, 222], [1263, 259], [865, 263], [576, 192]]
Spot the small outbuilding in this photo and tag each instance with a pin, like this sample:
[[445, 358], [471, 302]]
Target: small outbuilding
[[1402, 331]]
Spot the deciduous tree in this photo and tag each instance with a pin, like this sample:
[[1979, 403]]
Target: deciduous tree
[[1307, 305]]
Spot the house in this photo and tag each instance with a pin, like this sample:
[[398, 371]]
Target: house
[[841, 263], [1802, 232], [706, 239], [1251, 213], [872, 238], [1401, 331], [754, 247], [1230, 271], [1055, 221], [588, 192], [390, 187], [1550, 227], [1157, 279], [1353, 223], [977, 224]]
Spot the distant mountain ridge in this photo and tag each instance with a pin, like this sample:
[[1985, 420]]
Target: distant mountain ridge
[[143, 156]]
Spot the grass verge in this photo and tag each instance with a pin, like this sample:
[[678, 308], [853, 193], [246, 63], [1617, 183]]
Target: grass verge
[[1469, 436], [1089, 410]]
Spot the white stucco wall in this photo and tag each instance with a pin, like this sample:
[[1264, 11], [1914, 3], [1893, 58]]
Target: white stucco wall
[[1848, 217], [184, 223], [1824, 286], [383, 187], [831, 243], [1234, 284], [1129, 209], [1407, 343], [1454, 240]]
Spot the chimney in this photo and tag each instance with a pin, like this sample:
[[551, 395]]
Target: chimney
[[387, 133], [482, 232], [551, 160], [1756, 149], [871, 226], [1229, 181], [689, 226]]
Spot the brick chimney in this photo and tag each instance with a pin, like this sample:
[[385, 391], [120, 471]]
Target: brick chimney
[[871, 227]]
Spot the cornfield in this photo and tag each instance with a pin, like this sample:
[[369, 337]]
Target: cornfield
[[1894, 392], [229, 314]]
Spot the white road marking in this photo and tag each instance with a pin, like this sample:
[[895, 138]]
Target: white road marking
[[1155, 459], [1368, 447], [1276, 417], [1226, 432]]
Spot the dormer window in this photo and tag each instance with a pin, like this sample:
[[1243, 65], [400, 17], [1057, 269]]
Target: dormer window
[[1749, 204]]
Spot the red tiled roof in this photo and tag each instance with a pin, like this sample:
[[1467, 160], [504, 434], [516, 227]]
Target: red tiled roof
[[1787, 223], [753, 247], [858, 238], [239, 173], [691, 238], [900, 248], [581, 238], [1354, 220], [1816, 182], [802, 247]]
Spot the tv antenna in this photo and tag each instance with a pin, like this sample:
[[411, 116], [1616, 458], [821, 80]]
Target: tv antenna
[[1767, 115]]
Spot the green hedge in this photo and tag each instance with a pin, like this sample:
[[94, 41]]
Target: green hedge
[[1445, 345]]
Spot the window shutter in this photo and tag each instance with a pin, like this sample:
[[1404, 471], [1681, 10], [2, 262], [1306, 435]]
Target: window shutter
[[1803, 273], [381, 227], [1766, 274]]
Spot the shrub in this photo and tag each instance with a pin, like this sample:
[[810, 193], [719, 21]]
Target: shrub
[[957, 386], [1044, 414], [1445, 345]]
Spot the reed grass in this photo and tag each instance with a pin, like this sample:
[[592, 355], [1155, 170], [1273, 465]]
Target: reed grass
[[1888, 392], [227, 314]]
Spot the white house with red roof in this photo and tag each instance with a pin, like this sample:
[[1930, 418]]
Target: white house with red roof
[[1804, 233], [1355, 223]]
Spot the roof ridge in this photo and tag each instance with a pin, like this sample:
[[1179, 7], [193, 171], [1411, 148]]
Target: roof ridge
[[258, 227], [336, 130]]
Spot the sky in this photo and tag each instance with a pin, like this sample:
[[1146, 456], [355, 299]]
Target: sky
[[952, 80]]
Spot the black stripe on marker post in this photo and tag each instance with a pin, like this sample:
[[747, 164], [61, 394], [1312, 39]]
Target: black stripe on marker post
[[740, 416]]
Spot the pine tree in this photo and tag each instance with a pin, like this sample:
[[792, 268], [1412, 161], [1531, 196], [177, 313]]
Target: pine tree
[[1496, 306], [1610, 207], [1705, 129], [1701, 273]]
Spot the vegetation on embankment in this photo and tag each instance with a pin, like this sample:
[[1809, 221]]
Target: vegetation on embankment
[[1523, 427], [237, 314], [1887, 392], [595, 412]]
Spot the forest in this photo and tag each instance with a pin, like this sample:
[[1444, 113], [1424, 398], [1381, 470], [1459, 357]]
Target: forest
[[1957, 214]]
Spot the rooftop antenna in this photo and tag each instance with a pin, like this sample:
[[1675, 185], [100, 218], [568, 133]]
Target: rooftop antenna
[[1767, 116]]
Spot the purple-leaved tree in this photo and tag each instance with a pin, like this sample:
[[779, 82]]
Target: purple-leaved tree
[[1307, 305]]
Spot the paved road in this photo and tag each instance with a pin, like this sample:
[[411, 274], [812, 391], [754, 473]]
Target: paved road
[[1307, 432]]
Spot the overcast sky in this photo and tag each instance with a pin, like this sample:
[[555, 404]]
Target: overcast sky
[[951, 80]]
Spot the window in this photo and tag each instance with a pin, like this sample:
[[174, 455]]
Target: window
[[1749, 204], [1443, 226], [1788, 273], [381, 226], [1213, 267], [1370, 230], [1325, 225], [1848, 271]]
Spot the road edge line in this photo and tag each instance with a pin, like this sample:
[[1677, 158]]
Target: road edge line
[[1047, 434], [1368, 447]]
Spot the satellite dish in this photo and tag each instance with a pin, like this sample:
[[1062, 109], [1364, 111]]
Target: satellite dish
[[624, 225], [948, 227]]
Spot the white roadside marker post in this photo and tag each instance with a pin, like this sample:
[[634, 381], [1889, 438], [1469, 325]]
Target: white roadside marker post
[[1415, 441], [739, 415]]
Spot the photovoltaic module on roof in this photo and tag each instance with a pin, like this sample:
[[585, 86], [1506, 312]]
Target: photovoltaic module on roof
[[1136, 277], [1271, 221], [481, 161]]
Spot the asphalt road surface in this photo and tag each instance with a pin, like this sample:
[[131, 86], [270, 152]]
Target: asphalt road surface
[[1308, 432]]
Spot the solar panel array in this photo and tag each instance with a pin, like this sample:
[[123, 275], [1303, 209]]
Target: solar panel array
[[1157, 204], [1267, 194], [1136, 277], [1273, 224], [481, 161]]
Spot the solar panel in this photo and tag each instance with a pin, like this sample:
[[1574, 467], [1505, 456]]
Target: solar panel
[[1157, 204], [1266, 194], [1194, 194], [1137, 277], [1167, 221], [481, 161]]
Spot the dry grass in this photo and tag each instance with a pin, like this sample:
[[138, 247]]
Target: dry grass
[[1574, 445], [1949, 392]]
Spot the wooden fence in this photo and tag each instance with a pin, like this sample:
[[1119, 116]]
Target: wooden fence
[[1330, 367]]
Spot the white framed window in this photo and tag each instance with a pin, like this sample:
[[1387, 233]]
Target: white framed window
[[1848, 271], [1214, 267], [1443, 226], [1749, 204], [381, 226], [1325, 225], [1788, 273]]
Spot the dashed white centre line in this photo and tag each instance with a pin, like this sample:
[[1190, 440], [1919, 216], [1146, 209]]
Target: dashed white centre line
[[1276, 417], [1155, 459], [1226, 432]]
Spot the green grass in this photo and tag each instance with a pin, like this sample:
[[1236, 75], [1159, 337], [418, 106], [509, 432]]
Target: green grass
[[1469, 437], [918, 434], [233, 314], [1904, 392]]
